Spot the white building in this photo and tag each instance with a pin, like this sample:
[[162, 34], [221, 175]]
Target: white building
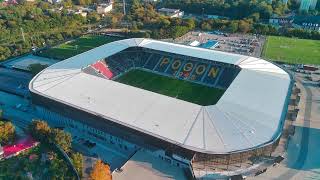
[[82, 13], [104, 8], [194, 43], [280, 21], [311, 26], [305, 5], [171, 12], [54, 1]]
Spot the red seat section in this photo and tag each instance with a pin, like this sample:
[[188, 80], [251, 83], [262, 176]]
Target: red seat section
[[19, 146], [103, 69]]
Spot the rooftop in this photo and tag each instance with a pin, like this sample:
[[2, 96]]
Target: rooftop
[[168, 10], [248, 115], [145, 166]]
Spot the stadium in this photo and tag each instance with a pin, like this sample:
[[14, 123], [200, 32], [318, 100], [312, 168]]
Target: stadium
[[197, 108]]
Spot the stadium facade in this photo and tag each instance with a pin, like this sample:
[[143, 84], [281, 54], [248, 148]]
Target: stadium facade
[[246, 122]]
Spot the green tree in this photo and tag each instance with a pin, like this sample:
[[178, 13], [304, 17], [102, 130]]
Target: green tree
[[36, 68], [164, 22], [77, 160], [61, 138], [4, 52], [206, 26], [234, 26], [190, 23], [67, 3], [178, 31], [93, 17], [255, 17]]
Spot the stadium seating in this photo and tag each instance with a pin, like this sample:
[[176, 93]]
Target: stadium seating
[[152, 62], [142, 58], [115, 65], [163, 65], [103, 69], [212, 75], [227, 76], [187, 69], [197, 70], [175, 67]]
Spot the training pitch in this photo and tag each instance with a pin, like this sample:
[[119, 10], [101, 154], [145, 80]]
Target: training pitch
[[292, 50], [176, 88], [77, 46]]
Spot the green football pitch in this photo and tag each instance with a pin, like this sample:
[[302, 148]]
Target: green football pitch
[[77, 46], [292, 50], [180, 89]]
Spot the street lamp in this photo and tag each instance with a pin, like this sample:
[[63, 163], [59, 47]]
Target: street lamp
[[202, 13]]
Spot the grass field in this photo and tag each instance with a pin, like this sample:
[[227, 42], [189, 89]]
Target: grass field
[[292, 50], [184, 90], [77, 46]]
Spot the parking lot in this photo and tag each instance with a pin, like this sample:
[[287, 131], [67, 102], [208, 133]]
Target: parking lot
[[250, 45]]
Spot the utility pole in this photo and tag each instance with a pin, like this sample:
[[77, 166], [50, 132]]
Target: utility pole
[[124, 7], [22, 33], [202, 13]]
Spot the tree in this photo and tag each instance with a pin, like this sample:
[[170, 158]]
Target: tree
[[100, 171], [233, 26], [36, 68], [38, 24], [244, 26], [67, 3], [93, 17], [77, 161], [164, 22], [4, 53], [61, 138], [83, 2], [255, 17], [190, 23], [39, 130], [7, 132], [206, 26], [178, 31]]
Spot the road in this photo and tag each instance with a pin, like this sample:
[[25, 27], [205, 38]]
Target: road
[[21, 116]]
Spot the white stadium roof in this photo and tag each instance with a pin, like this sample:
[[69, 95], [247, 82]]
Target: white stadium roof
[[248, 115]]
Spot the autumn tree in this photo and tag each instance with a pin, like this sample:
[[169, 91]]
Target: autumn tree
[[7, 132], [244, 26], [100, 171]]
